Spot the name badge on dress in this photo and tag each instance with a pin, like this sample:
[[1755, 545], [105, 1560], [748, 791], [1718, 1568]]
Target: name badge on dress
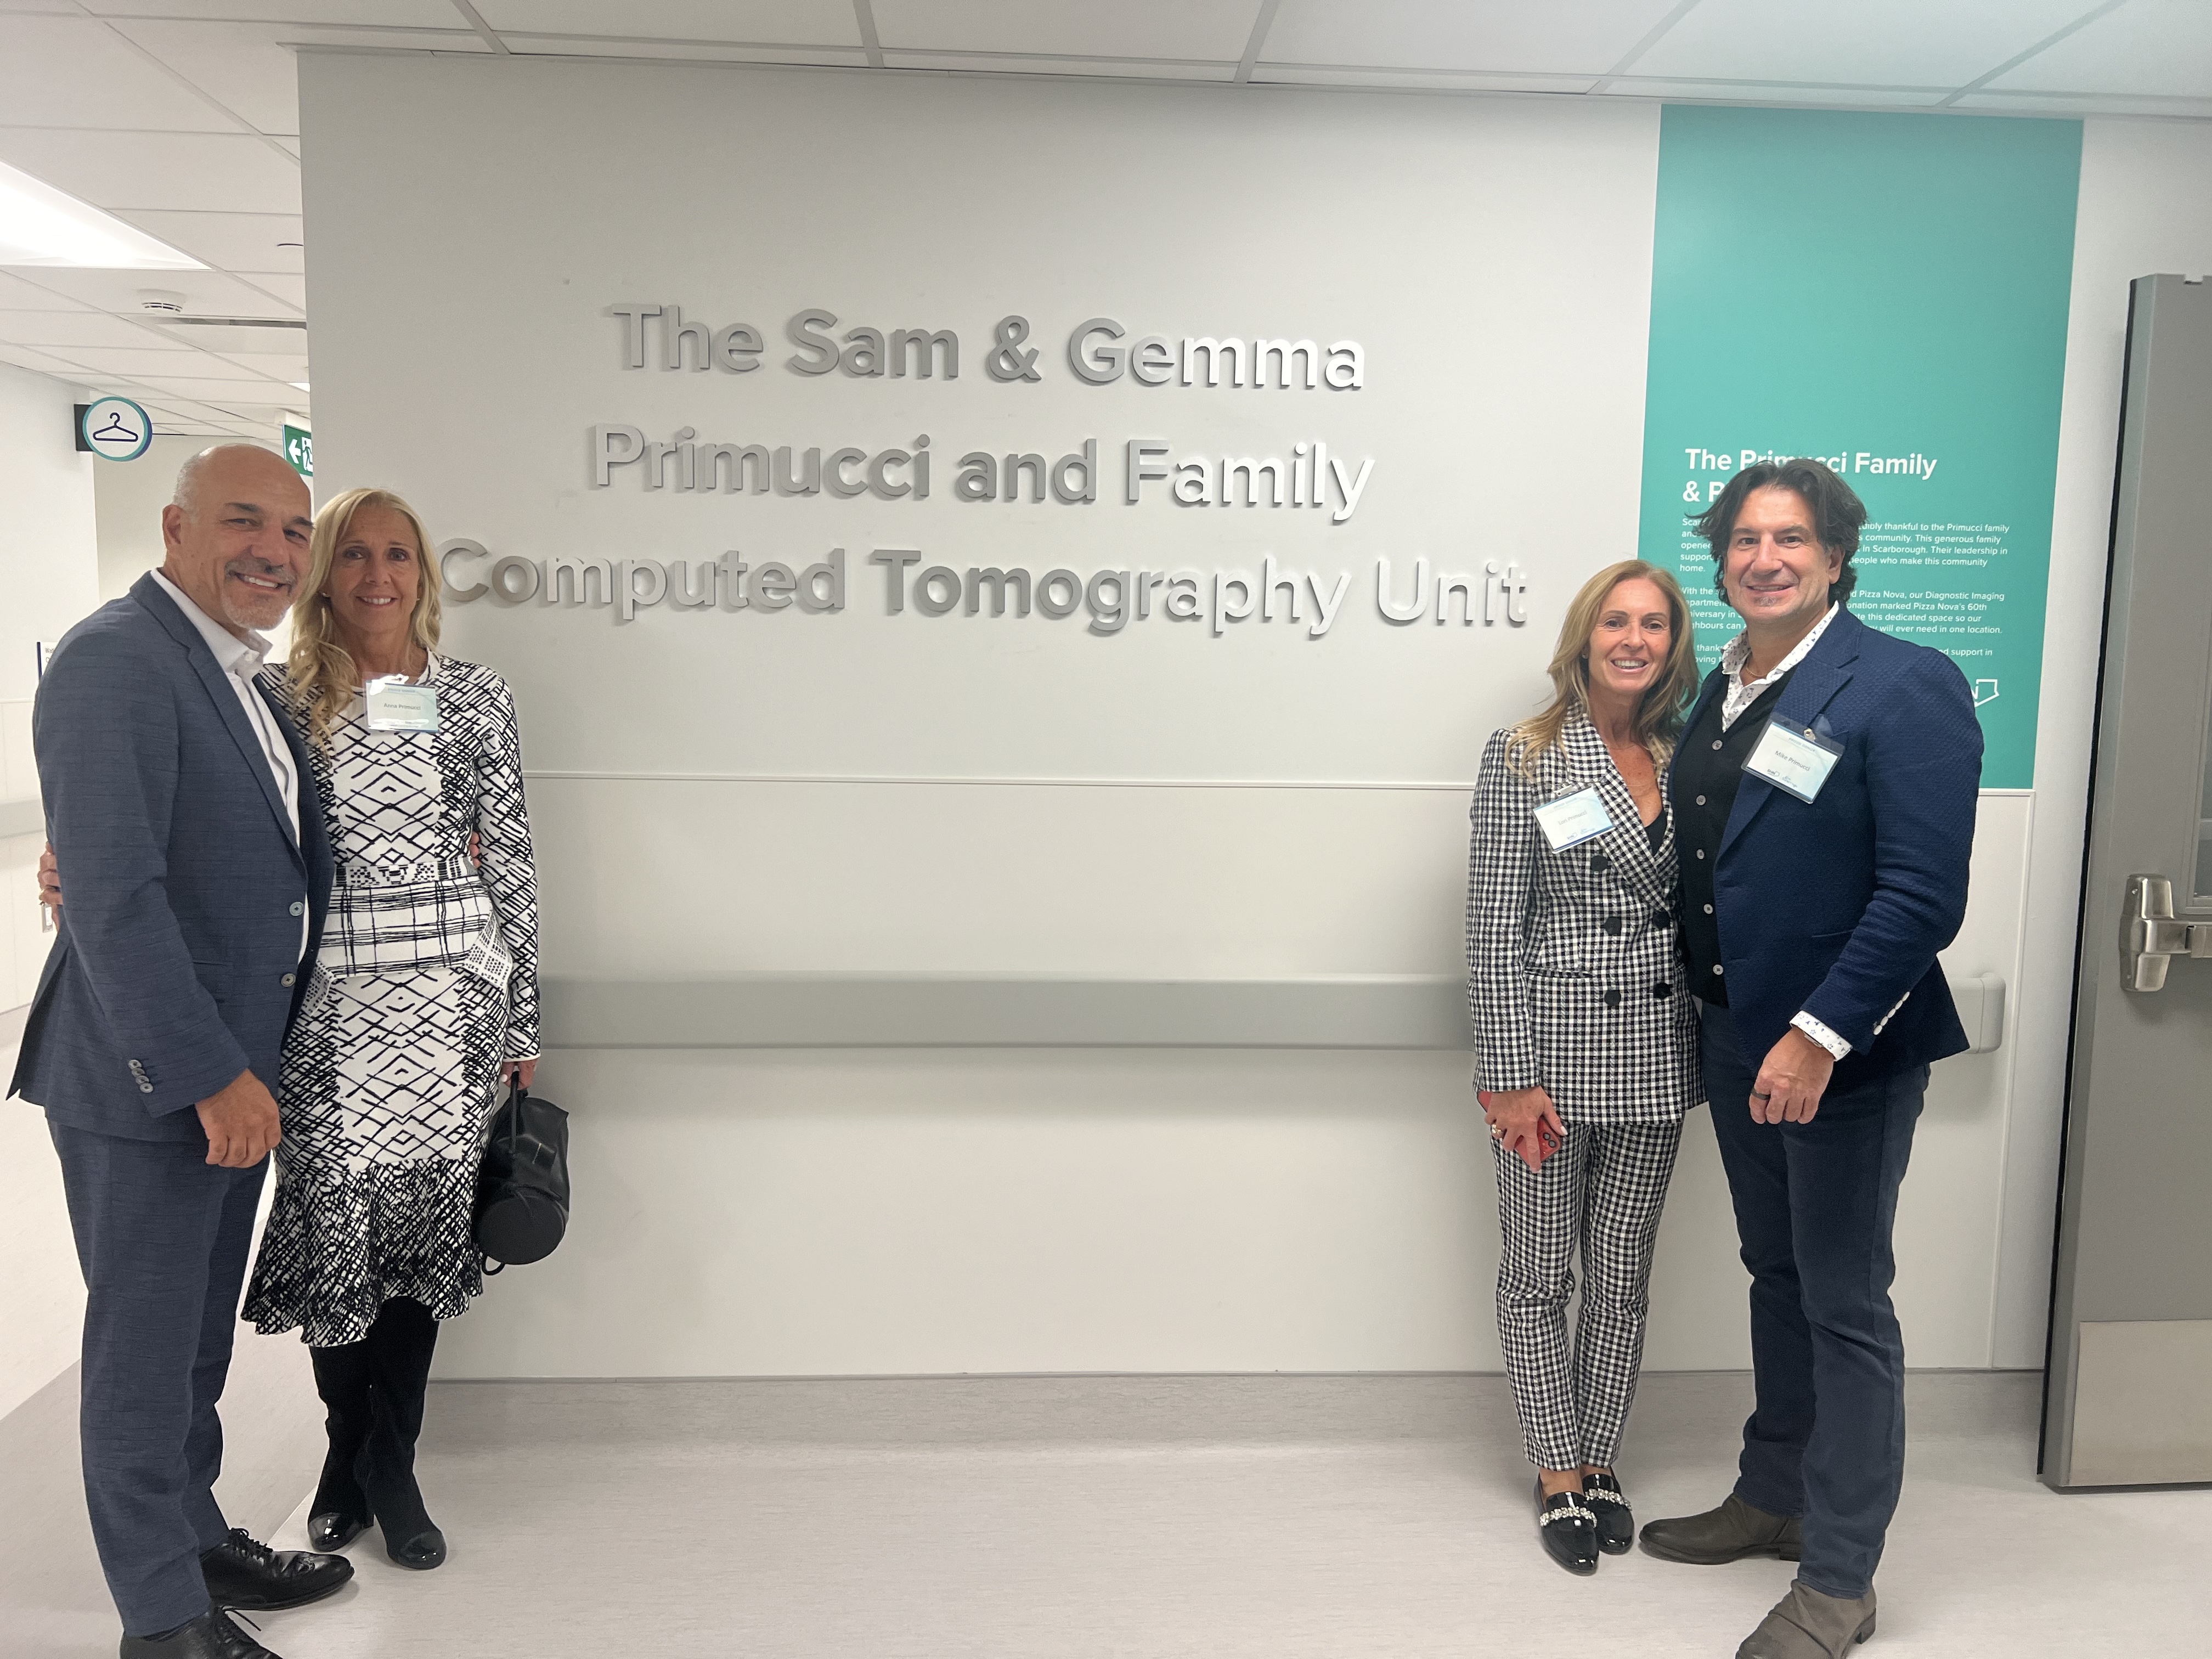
[[1795, 758], [1573, 819], [396, 706]]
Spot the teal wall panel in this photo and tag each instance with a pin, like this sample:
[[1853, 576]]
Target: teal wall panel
[[1888, 293]]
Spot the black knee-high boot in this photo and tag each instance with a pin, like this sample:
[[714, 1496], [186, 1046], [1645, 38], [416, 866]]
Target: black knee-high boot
[[340, 1513], [399, 1345]]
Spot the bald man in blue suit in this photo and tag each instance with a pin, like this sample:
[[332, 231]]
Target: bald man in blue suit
[[179, 805]]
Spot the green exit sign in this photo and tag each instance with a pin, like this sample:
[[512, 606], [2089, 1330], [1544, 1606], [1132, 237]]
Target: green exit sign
[[299, 449]]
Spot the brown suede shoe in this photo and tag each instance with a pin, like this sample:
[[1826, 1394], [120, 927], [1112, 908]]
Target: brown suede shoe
[[1807, 1624], [1731, 1533]]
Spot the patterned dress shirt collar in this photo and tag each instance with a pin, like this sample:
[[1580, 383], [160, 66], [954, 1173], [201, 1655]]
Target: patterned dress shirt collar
[[1741, 693]]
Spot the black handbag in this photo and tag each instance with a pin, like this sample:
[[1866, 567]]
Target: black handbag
[[522, 1189]]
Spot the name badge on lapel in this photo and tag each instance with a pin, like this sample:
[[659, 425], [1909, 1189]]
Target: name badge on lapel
[[1795, 758], [396, 706], [1573, 819]]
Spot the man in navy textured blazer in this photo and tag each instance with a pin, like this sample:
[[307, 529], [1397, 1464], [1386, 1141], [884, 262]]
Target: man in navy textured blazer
[[1824, 794], [180, 804]]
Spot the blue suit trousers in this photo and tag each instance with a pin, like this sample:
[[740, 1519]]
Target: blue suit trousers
[[1815, 1203], [162, 1236]]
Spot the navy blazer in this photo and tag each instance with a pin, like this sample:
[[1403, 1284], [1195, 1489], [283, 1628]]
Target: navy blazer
[[178, 963], [1839, 907]]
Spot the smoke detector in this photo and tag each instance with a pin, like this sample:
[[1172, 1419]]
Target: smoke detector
[[161, 299]]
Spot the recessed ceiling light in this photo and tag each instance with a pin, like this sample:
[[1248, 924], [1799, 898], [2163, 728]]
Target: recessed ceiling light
[[40, 226], [302, 385]]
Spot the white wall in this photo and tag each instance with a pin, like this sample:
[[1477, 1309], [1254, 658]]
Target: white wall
[[811, 1211], [129, 497], [47, 582]]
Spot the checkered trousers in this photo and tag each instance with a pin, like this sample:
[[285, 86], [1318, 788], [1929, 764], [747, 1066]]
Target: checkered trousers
[[1600, 1195]]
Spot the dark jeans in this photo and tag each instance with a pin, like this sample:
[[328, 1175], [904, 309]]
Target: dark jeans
[[1815, 1205], [162, 1236]]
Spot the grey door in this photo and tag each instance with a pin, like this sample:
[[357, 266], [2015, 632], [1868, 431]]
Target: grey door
[[2128, 1394]]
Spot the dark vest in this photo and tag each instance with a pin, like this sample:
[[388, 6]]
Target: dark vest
[[1708, 771]]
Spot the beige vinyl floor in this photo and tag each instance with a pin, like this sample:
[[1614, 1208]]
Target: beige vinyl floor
[[1130, 1518]]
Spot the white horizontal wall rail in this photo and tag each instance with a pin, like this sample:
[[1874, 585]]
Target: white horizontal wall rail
[[921, 1011]]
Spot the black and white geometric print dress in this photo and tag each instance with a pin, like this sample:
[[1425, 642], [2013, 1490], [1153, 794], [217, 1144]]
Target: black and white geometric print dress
[[426, 981]]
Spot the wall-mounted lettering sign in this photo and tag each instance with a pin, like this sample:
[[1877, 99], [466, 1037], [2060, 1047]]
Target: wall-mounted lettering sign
[[1303, 477], [1107, 600]]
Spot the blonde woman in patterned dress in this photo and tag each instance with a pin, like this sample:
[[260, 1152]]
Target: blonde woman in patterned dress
[[424, 997]]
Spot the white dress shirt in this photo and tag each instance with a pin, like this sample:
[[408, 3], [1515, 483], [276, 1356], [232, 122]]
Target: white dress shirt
[[1741, 694], [240, 660]]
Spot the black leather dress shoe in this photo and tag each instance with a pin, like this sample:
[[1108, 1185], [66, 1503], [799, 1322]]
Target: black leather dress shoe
[[211, 1635], [242, 1572], [1616, 1522], [333, 1532], [1568, 1530]]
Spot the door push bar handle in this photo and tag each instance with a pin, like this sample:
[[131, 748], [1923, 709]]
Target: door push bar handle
[[2150, 937]]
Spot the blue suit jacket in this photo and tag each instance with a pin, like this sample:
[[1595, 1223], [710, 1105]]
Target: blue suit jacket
[[1839, 907], [178, 963]]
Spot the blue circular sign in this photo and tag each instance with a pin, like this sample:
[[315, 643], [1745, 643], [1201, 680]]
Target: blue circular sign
[[116, 428]]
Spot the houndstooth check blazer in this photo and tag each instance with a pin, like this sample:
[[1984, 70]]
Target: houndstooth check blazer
[[1574, 970]]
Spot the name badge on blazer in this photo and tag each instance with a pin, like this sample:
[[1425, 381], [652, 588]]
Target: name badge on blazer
[[1573, 819], [1795, 758], [396, 706]]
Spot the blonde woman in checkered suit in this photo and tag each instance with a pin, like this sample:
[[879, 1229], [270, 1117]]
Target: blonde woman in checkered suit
[[1585, 1037]]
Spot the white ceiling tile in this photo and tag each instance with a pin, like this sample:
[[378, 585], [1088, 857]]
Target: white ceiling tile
[[22, 294], [1755, 92], [289, 146], [693, 52], [76, 72], [195, 365], [232, 395], [1323, 75], [1172, 29], [219, 172], [1147, 69], [231, 241], [2156, 48], [793, 22], [287, 368], [182, 407], [1897, 43], [59, 330], [240, 65], [30, 357], [292, 289], [1587, 38], [413, 13], [207, 293]]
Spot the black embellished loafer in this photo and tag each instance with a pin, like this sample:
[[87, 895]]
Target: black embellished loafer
[[211, 1635], [1568, 1530], [243, 1572], [1732, 1532], [1616, 1522]]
